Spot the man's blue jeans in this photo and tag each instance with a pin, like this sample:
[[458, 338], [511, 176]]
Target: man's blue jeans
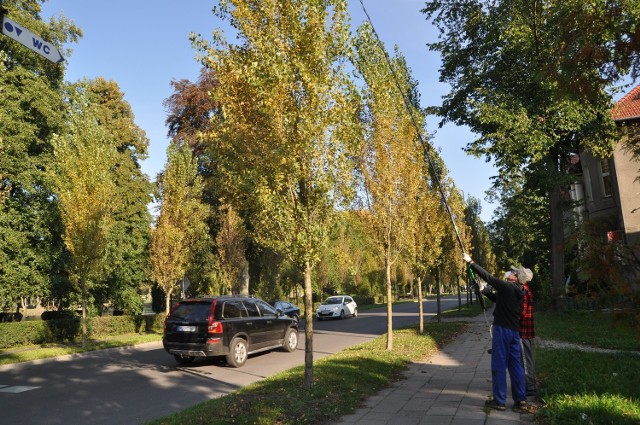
[[505, 355]]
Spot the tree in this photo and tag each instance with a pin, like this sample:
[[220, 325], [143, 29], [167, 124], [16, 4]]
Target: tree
[[189, 123], [533, 80], [232, 240], [520, 234], [457, 235], [281, 141], [32, 254], [181, 223], [129, 233], [84, 159], [392, 157], [190, 109], [426, 241], [482, 251]]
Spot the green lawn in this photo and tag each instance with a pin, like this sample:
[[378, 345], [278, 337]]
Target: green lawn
[[579, 387]]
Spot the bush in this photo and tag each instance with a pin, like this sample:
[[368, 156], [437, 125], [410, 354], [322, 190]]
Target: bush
[[117, 325], [363, 300], [20, 333], [62, 330], [57, 314], [10, 317]]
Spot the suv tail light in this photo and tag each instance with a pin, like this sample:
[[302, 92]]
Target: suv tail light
[[213, 326]]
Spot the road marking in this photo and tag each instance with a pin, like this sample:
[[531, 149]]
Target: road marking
[[16, 389]]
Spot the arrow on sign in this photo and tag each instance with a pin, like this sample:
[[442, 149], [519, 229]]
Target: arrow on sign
[[30, 40]]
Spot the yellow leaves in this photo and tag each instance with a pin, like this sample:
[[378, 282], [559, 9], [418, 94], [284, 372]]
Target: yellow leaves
[[82, 172], [182, 221]]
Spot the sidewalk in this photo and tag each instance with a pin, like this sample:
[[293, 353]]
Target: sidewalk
[[449, 388]]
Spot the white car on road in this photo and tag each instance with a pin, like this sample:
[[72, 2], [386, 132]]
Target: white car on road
[[337, 306]]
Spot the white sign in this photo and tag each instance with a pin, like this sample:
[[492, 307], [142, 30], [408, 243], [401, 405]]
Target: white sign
[[30, 40]]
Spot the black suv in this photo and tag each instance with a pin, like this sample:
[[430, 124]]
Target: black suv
[[226, 326]]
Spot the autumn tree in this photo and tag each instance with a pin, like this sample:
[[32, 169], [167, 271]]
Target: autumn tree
[[426, 240], [83, 162], [350, 259], [181, 223], [232, 240], [533, 80], [392, 156], [281, 141], [190, 109], [189, 123], [129, 233], [449, 266]]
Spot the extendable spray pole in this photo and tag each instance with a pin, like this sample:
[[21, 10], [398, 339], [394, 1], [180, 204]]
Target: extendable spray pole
[[425, 146]]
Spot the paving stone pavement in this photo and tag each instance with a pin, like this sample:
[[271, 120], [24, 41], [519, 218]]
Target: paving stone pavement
[[449, 388]]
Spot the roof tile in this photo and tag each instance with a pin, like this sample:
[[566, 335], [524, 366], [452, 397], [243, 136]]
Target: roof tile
[[628, 107]]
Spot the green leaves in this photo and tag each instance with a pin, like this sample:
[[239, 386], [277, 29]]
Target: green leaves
[[533, 80]]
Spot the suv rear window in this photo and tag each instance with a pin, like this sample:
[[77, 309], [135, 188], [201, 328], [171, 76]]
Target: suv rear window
[[192, 311], [252, 308], [266, 309], [233, 309]]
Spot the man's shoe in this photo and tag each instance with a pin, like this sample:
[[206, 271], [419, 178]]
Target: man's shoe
[[523, 407], [491, 404]]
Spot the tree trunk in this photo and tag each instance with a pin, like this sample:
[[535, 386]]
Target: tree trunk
[[438, 295], [389, 305], [244, 278], [167, 301], [459, 294], [420, 309], [308, 327], [83, 288], [557, 248]]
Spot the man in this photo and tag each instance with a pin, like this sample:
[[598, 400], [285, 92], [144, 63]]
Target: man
[[505, 344], [527, 330]]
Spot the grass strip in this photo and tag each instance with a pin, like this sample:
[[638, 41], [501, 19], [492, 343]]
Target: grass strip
[[36, 352], [341, 382]]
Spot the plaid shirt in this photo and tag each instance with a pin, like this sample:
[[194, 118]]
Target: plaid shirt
[[527, 330]]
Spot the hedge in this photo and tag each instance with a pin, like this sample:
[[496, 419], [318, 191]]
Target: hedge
[[14, 334]]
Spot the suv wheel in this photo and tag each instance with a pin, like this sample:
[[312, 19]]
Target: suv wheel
[[237, 353], [341, 314], [355, 312], [183, 359], [290, 340]]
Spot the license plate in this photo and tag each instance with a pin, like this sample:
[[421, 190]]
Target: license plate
[[186, 328]]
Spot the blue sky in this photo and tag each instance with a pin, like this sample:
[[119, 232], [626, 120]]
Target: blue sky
[[144, 44]]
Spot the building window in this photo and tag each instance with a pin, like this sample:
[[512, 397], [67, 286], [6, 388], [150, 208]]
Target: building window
[[605, 177], [587, 184]]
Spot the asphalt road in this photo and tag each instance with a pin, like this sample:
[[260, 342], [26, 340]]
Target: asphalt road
[[134, 385]]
